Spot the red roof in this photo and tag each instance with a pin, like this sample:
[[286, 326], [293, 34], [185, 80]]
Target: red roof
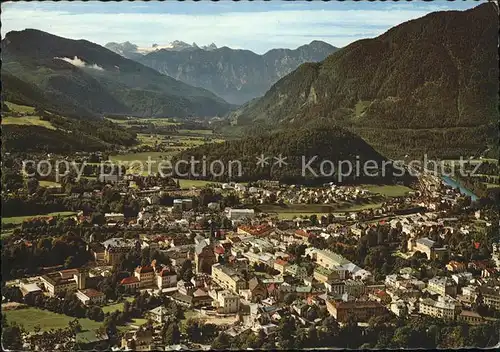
[[144, 269], [281, 262], [90, 292], [219, 250], [301, 233], [129, 280], [167, 272], [256, 230]]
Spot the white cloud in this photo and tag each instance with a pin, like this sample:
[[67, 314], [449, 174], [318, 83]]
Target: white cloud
[[76, 61], [257, 31]]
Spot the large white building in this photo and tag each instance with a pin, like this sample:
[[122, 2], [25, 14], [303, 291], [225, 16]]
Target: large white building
[[237, 214], [90, 296], [440, 309], [227, 302]]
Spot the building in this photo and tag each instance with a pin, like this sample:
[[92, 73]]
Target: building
[[470, 317], [160, 314], [455, 267], [442, 286], [90, 296], [256, 231], [30, 290], [166, 278], [323, 275], [109, 178], [204, 257], [296, 271], [280, 265], [362, 311], [116, 248], [335, 287], [354, 288], [145, 275], [399, 308], [258, 291], [228, 277], [238, 214], [131, 282], [114, 217], [138, 340], [491, 296], [329, 259], [441, 308], [426, 246], [227, 302], [92, 340], [57, 284]]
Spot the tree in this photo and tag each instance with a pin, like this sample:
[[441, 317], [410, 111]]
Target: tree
[[32, 185], [11, 337], [222, 342], [290, 298], [172, 334]]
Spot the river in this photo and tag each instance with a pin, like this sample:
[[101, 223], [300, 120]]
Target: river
[[451, 182]]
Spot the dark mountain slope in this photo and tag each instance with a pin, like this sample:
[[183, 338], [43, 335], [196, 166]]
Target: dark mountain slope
[[235, 75], [316, 144], [87, 77], [436, 73]]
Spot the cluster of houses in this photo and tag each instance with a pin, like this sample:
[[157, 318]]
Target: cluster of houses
[[249, 271]]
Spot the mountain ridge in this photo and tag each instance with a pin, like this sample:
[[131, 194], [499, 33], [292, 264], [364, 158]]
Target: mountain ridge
[[436, 72], [237, 75], [91, 80]]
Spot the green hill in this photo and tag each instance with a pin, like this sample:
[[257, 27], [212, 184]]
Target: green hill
[[301, 148], [427, 85], [77, 77]]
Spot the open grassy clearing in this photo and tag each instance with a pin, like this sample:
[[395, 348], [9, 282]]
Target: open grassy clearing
[[195, 183], [116, 306], [7, 232], [139, 121], [31, 317], [201, 132], [44, 183], [388, 190], [20, 219], [27, 121], [492, 185], [20, 108]]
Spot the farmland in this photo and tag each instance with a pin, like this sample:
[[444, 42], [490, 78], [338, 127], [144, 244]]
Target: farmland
[[30, 318]]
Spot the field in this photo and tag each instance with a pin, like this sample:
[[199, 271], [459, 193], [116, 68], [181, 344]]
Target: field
[[31, 317], [203, 132], [20, 108], [27, 121], [19, 219], [294, 210], [49, 184], [388, 190], [194, 183], [116, 306]]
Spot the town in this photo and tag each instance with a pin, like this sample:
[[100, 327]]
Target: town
[[150, 264]]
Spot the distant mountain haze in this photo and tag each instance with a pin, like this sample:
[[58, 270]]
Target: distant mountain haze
[[236, 75], [80, 78], [426, 85]]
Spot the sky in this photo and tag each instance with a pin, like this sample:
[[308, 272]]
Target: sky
[[258, 25]]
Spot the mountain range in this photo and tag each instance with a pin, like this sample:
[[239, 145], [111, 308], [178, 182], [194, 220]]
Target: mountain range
[[235, 75], [428, 85], [80, 78], [132, 51]]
